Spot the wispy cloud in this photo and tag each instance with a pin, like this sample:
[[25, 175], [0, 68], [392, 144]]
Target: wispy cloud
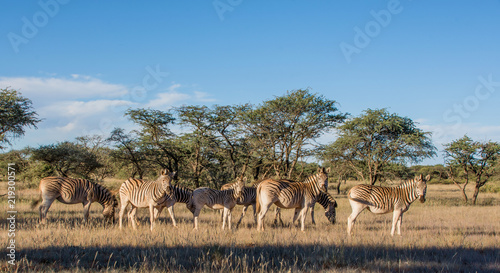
[[43, 89], [82, 105]]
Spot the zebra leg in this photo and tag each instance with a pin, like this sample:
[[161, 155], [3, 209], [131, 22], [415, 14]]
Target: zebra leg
[[303, 214], [172, 215], [44, 208], [312, 215], [86, 210], [158, 212], [357, 208], [133, 219], [152, 216], [396, 216], [229, 218], [122, 212], [224, 217], [260, 218], [196, 214], [277, 215], [254, 213], [243, 214], [295, 215], [400, 222]]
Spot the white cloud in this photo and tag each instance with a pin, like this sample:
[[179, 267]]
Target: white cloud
[[83, 109], [79, 105], [167, 99], [43, 90], [203, 97]]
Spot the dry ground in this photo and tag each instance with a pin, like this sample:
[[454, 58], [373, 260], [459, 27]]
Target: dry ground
[[441, 235]]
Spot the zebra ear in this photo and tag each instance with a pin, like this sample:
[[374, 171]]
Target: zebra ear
[[428, 177], [327, 170], [164, 172], [244, 180]]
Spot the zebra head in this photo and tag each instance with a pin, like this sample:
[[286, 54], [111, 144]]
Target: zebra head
[[422, 186], [109, 210], [330, 211], [322, 179], [239, 186], [165, 179]]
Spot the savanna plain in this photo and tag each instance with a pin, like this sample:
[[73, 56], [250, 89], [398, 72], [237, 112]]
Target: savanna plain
[[440, 235]]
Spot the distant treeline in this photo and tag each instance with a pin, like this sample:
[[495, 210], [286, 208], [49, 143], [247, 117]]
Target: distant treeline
[[277, 138]]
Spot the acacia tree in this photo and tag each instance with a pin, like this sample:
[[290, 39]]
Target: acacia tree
[[67, 158], [128, 151], [157, 141], [282, 130], [466, 159], [375, 139], [16, 113]]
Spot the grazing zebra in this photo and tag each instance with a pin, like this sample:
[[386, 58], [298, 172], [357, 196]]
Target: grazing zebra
[[287, 194], [74, 191], [246, 199], [380, 200], [177, 195], [327, 202], [216, 199], [144, 194]]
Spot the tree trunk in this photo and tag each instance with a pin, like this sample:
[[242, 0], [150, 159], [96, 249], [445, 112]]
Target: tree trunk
[[476, 192]]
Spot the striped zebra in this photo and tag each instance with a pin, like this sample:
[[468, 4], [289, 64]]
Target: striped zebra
[[327, 202], [380, 200], [247, 198], [287, 194], [144, 194], [73, 191], [216, 199], [177, 195]]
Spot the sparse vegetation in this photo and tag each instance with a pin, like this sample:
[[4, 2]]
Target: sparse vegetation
[[441, 235]]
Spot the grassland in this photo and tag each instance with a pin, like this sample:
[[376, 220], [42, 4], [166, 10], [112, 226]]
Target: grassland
[[441, 235]]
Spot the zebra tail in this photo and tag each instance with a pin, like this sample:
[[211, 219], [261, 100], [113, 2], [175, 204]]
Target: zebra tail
[[34, 203], [257, 202]]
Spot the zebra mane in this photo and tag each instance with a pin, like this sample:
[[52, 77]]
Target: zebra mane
[[407, 183], [105, 196], [325, 199]]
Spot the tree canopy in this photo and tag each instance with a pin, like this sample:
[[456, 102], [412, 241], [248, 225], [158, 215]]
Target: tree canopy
[[370, 142], [16, 113]]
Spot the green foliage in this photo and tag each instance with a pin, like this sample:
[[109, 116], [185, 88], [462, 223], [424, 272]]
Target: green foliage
[[282, 130], [16, 113], [468, 159], [371, 142], [67, 159]]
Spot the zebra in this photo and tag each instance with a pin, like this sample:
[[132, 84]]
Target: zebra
[[327, 202], [144, 194], [216, 199], [177, 195], [73, 191], [287, 194], [247, 198], [380, 200]]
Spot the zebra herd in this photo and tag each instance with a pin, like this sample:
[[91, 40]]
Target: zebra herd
[[301, 196]]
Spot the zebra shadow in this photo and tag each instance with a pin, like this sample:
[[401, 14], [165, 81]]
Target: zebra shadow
[[236, 258]]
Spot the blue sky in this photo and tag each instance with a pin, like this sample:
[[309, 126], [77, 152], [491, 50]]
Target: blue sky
[[83, 63]]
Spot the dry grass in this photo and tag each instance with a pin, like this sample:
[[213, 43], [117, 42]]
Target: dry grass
[[441, 235]]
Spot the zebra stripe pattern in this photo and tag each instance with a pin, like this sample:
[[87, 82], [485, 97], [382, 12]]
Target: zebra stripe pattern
[[177, 195], [328, 203], [248, 197], [144, 194], [74, 191], [287, 194], [381, 200], [216, 199]]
